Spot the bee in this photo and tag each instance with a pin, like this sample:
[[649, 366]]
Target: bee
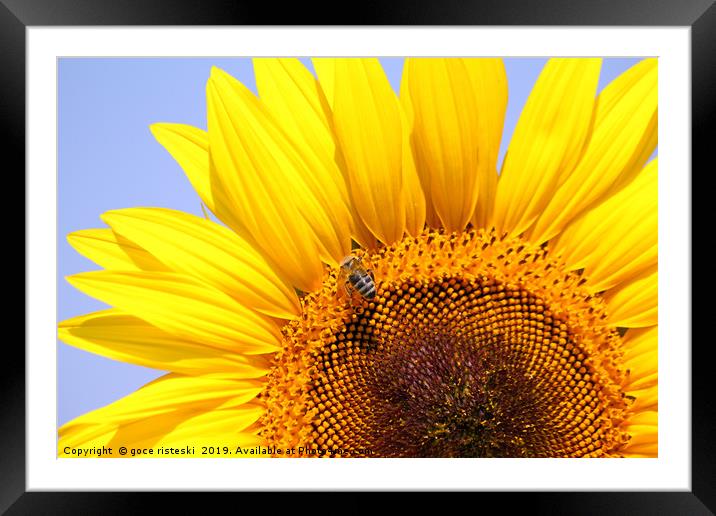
[[356, 277]]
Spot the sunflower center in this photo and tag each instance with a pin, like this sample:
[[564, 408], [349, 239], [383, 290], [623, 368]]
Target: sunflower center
[[472, 347]]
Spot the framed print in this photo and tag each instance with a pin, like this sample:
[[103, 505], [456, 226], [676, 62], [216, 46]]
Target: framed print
[[432, 253]]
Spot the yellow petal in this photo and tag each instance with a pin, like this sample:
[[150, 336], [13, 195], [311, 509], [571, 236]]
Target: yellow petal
[[643, 433], [126, 338], [640, 341], [415, 205], [169, 411], [624, 136], [292, 95], [209, 252], [222, 428], [458, 107], [113, 251], [173, 392], [295, 98], [617, 239], [368, 125], [634, 304], [638, 379], [648, 417], [642, 451], [645, 399], [404, 97], [641, 358], [189, 146], [431, 217], [489, 80], [644, 440], [270, 187], [326, 72], [184, 307], [547, 142]]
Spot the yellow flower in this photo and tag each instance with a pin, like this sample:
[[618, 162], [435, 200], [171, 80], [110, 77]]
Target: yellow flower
[[515, 314]]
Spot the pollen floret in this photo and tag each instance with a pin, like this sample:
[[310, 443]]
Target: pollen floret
[[473, 346]]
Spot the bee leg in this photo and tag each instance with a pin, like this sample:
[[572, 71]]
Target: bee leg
[[349, 288], [349, 291]]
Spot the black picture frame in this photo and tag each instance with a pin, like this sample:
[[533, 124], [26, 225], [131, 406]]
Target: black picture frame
[[17, 15]]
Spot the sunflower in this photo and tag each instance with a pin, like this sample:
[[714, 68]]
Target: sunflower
[[514, 315]]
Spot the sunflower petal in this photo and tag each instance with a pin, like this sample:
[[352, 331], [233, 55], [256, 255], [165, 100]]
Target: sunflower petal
[[218, 428], [126, 338], [184, 307], [368, 125], [209, 252], [458, 108], [645, 399], [431, 217], [644, 436], [646, 418], [189, 146], [326, 71], [617, 239], [169, 411], [640, 341], [641, 380], [173, 392], [641, 358], [413, 193], [489, 79], [634, 304], [642, 452], [643, 430], [547, 143], [644, 441], [112, 251], [291, 93], [624, 136], [415, 204], [270, 187]]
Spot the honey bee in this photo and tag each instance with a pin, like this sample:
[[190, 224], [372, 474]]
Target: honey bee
[[356, 277]]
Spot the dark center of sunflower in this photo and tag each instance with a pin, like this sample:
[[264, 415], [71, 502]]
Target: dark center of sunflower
[[453, 369], [458, 363], [444, 396]]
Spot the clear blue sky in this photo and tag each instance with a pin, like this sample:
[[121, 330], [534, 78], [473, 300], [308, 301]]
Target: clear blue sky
[[108, 159]]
